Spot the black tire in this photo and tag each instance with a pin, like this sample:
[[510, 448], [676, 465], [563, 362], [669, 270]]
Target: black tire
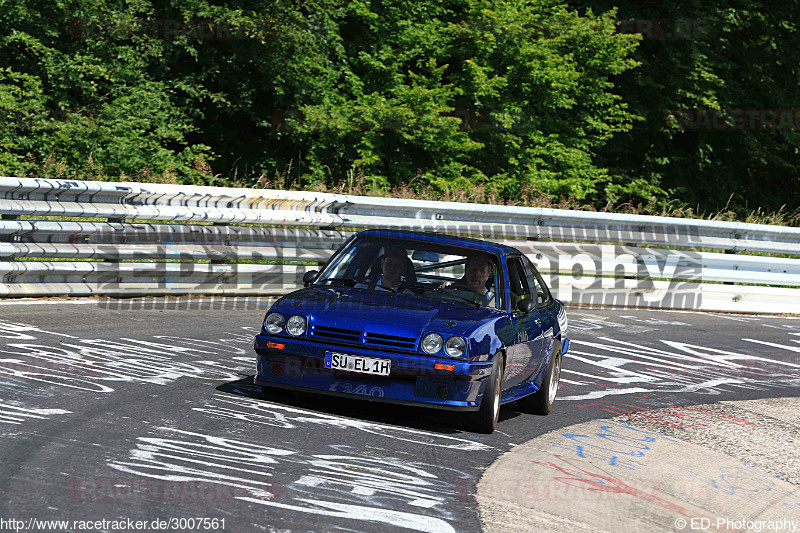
[[541, 402], [484, 420]]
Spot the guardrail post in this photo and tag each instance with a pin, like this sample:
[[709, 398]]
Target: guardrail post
[[223, 259], [731, 252], [9, 237]]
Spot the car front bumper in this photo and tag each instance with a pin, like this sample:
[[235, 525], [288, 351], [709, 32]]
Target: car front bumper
[[300, 365]]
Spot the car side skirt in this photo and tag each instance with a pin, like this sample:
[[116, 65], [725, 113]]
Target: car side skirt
[[520, 391]]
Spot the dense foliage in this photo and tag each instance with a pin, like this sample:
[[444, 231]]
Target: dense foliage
[[719, 91], [558, 99]]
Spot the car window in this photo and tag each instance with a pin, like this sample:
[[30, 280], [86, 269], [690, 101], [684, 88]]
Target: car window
[[517, 281], [422, 268], [536, 282]]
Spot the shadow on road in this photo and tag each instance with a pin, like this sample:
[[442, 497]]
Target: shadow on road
[[432, 420]]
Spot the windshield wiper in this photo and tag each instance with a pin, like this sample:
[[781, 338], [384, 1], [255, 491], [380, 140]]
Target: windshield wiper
[[354, 282], [346, 280], [443, 291]]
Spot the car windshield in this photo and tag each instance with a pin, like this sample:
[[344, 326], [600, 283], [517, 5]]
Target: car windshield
[[420, 268]]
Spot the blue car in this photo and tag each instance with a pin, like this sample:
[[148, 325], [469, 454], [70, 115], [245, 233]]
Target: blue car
[[421, 319]]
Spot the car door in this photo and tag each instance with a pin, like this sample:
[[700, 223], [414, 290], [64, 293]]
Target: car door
[[524, 357], [545, 317]]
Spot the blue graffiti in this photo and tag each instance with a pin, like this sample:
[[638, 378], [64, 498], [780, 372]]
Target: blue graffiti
[[616, 443], [740, 481]]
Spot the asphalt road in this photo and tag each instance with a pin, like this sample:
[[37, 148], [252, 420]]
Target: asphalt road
[[122, 414]]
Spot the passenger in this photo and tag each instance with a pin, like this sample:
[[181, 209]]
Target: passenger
[[394, 263]]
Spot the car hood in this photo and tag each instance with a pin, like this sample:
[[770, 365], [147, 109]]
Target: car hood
[[381, 311]]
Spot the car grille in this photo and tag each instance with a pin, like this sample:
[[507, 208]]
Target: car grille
[[352, 336], [336, 334], [390, 341]]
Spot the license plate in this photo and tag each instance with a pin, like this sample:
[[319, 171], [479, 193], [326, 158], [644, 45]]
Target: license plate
[[356, 363]]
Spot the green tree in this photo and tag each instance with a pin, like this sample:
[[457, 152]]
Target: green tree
[[513, 94], [78, 84], [717, 87]]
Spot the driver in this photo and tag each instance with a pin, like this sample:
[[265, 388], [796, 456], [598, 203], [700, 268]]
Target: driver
[[478, 270]]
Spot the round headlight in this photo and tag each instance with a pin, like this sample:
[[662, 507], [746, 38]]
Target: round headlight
[[455, 347], [296, 325], [432, 343], [274, 323]]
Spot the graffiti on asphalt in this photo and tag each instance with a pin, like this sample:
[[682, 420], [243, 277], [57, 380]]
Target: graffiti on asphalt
[[96, 365], [284, 416], [670, 416], [616, 443], [343, 484], [609, 367], [592, 479], [748, 484], [11, 413]]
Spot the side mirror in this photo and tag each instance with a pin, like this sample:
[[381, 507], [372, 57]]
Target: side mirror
[[526, 305], [309, 277]]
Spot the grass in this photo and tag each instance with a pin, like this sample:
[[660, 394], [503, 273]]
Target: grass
[[358, 184]]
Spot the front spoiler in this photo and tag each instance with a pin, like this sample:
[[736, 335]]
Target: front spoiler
[[413, 403], [413, 379]]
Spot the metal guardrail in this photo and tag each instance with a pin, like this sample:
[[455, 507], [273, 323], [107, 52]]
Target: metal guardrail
[[154, 235]]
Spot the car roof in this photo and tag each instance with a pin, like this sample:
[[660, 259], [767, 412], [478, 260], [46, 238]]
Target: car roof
[[443, 239]]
